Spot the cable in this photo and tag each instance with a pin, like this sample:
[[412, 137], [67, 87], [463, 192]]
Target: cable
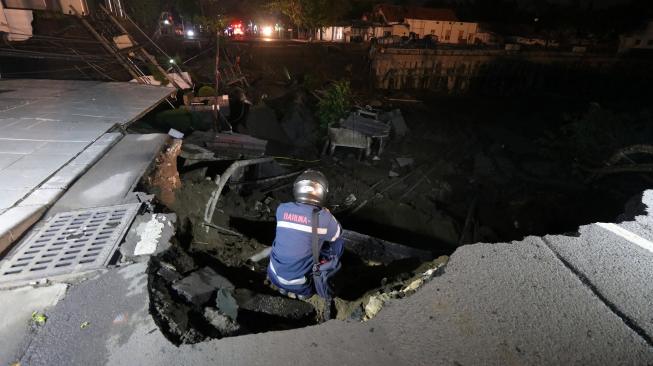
[[51, 55], [44, 37], [295, 159], [48, 71], [202, 52]]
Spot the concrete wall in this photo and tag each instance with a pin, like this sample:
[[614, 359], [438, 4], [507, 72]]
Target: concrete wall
[[500, 72]]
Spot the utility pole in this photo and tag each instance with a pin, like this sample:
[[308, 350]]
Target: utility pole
[[216, 104]]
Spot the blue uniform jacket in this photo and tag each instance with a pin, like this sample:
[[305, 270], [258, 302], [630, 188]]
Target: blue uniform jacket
[[291, 259]]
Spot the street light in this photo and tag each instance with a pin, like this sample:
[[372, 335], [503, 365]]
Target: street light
[[267, 31], [190, 33]]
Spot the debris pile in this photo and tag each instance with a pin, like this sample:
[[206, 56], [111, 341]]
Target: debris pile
[[375, 302], [366, 129]]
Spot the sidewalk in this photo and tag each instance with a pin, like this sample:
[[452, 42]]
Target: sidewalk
[[53, 131]]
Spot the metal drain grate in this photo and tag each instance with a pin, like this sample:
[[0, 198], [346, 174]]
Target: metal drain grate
[[70, 242]]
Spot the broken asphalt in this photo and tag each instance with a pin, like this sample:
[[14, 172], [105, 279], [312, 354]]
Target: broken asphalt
[[583, 299]]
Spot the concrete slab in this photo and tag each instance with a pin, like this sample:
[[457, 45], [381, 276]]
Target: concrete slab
[[24, 178], [39, 160], [17, 306], [40, 199], [150, 235], [65, 177], [113, 176], [15, 221], [49, 122], [494, 304], [618, 269], [9, 196], [90, 100], [6, 159], [42, 196], [57, 147], [19, 147]]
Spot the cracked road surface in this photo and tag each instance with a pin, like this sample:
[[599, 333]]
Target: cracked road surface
[[583, 299]]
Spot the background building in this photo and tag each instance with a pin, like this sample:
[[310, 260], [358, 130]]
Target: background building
[[638, 40], [439, 23]]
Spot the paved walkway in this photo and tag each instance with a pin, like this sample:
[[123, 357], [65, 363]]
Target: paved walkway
[[46, 125], [582, 299]]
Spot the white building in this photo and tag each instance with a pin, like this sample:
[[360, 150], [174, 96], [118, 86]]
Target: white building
[[334, 33], [441, 24], [16, 24], [639, 40]]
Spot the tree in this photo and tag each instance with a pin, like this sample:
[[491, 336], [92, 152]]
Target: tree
[[311, 14], [145, 12]]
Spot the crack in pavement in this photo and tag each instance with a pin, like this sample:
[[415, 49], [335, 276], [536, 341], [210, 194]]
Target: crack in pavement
[[630, 323]]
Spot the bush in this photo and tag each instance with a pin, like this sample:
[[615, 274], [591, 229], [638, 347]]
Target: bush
[[179, 119], [335, 104], [206, 91]]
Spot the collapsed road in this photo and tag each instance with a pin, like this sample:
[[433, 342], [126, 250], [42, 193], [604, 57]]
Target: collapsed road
[[157, 254]]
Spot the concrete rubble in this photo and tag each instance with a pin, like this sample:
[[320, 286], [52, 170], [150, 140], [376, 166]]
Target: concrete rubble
[[198, 287], [150, 235], [405, 162], [224, 324], [396, 120], [274, 305], [376, 302]]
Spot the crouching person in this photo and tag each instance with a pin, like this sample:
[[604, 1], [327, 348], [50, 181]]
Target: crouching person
[[307, 248]]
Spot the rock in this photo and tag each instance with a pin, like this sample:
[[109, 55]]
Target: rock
[[195, 175], [404, 162], [225, 325], [199, 286], [168, 274], [274, 305], [374, 305], [195, 152], [358, 314], [397, 121], [413, 285], [260, 255], [183, 262], [226, 303]]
